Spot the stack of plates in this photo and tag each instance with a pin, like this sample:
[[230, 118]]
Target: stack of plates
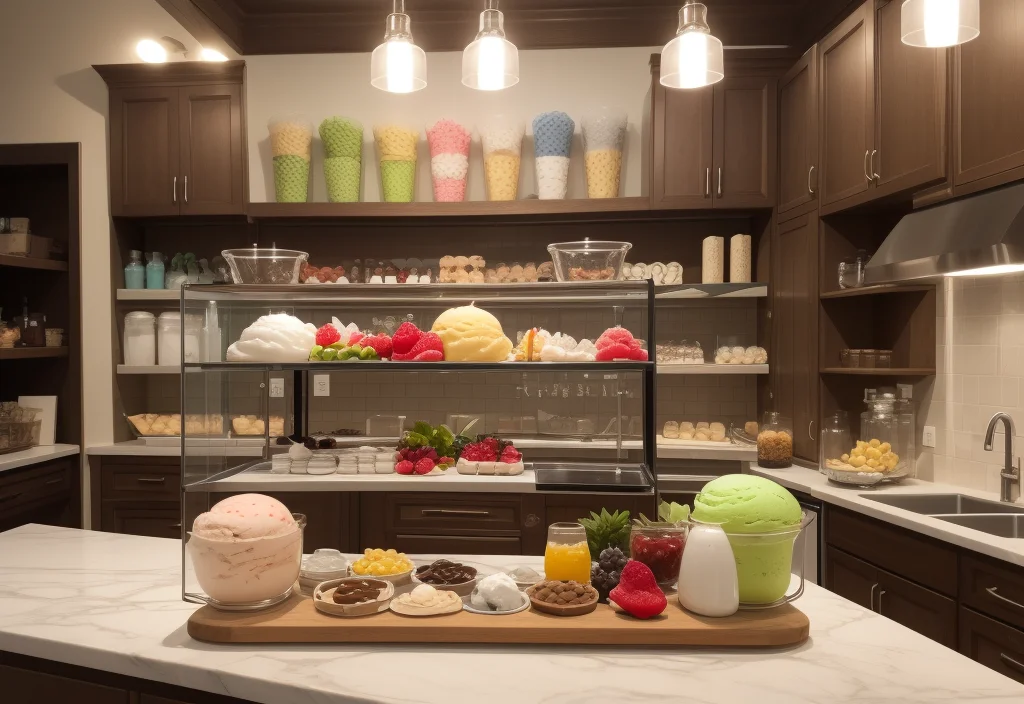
[[299, 466], [322, 464], [385, 463], [280, 464]]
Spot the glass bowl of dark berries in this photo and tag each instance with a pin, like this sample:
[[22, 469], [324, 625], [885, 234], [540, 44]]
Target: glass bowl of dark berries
[[660, 547]]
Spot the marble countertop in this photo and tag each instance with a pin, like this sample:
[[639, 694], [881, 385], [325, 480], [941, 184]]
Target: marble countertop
[[811, 481], [112, 602], [36, 455]]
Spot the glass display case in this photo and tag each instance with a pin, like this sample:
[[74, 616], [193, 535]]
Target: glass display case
[[562, 373]]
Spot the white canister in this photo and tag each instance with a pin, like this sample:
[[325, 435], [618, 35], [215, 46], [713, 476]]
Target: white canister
[[713, 260], [708, 583], [739, 259], [170, 338], [140, 339]]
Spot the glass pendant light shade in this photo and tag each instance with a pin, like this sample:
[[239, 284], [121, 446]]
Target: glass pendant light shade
[[491, 62], [939, 23], [398, 65], [695, 58]]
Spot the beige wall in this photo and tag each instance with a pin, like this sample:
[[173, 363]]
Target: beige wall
[[321, 85]]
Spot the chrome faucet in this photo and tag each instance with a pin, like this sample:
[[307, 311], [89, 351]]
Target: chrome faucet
[[1009, 485]]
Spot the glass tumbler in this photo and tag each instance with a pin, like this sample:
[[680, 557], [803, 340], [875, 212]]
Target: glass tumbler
[[567, 555]]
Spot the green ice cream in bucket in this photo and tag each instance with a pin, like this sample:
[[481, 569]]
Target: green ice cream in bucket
[[762, 520]]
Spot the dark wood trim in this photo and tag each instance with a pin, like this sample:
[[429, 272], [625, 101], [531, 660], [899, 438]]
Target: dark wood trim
[[33, 352], [33, 263], [211, 24], [173, 74]]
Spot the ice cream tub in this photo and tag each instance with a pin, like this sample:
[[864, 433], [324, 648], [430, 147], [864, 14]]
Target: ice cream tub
[[764, 565]]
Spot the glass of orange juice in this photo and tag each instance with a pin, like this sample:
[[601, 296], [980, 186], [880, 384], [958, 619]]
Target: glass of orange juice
[[567, 556]]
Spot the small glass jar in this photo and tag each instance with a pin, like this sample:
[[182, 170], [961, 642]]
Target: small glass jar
[[882, 444], [835, 438], [775, 441], [172, 339], [661, 549], [851, 270], [140, 339], [884, 359], [135, 272], [868, 359], [155, 270], [567, 555], [54, 337]]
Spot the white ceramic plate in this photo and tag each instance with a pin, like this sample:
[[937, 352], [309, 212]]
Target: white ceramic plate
[[468, 606]]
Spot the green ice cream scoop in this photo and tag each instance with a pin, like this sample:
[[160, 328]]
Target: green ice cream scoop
[[762, 520]]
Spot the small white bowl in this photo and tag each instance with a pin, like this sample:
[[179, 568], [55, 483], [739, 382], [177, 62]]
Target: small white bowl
[[467, 605]]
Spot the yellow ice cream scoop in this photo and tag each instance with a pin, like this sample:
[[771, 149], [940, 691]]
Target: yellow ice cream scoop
[[471, 334]]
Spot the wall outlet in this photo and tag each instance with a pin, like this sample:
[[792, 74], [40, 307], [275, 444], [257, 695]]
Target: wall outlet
[[321, 384], [928, 440], [276, 388]]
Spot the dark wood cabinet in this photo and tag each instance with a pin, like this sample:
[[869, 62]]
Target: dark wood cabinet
[[154, 521], [918, 608], [995, 645], [744, 137], [176, 139], [988, 141], [29, 687], [993, 588], [798, 134], [911, 107], [795, 330], [44, 493], [682, 150], [851, 578]]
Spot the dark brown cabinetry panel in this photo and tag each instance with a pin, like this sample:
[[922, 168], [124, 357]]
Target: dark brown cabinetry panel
[[682, 148], [29, 687], [795, 326], [847, 106], [993, 588], [144, 151], [156, 521], [919, 609], [988, 139], [909, 150], [798, 133], [745, 128], [851, 578], [995, 645], [212, 161], [45, 493]]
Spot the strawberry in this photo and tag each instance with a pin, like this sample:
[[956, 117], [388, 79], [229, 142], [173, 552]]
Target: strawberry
[[425, 466], [381, 344], [638, 355], [428, 342], [449, 461], [429, 356], [510, 455], [613, 335], [638, 593], [404, 338], [327, 335], [613, 350], [404, 467], [356, 338]]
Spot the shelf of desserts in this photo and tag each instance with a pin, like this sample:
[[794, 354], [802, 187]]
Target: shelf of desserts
[[687, 357], [722, 579], [719, 369], [707, 440]]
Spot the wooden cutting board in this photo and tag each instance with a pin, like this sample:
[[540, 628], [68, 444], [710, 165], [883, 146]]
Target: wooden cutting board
[[297, 621]]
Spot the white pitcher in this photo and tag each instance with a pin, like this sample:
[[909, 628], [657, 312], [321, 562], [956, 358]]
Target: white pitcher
[[708, 585]]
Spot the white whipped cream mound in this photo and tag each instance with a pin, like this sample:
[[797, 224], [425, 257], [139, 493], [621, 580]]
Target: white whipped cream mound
[[498, 592], [564, 348], [245, 517], [274, 338]]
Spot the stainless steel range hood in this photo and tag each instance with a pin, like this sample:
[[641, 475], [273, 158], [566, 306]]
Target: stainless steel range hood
[[978, 232]]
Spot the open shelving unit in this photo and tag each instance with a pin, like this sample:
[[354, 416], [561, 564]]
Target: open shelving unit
[[9, 260], [33, 352]]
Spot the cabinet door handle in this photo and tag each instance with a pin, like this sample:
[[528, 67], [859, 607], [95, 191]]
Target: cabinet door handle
[[174, 190], [874, 174], [810, 172], [1011, 602], [871, 599], [719, 181], [186, 189], [453, 512], [1010, 662], [151, 480], [881, 593], [809, 433], [867, 154], [707, 182], [176, 526], [55, 480]]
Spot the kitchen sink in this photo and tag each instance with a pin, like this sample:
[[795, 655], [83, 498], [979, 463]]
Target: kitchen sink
[[944, 504], [1005, 525]]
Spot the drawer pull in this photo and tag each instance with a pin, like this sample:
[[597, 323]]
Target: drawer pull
[[453, 513], [176, 526], [1011, 663], [881, 593], [871, 599], [56, 480], [151, 480], [1011, 602]]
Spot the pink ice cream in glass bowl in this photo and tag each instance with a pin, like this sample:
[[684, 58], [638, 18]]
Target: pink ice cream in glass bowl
[[247, 552], [449, 160]]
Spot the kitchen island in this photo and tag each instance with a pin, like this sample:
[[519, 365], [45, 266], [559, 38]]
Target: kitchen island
[[112, 603]]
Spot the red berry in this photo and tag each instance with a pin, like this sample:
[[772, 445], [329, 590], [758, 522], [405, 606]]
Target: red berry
[[326, 335], [429, 356], [425, 465], [405, 337], [404, 467], [380, 343], [446, 460]]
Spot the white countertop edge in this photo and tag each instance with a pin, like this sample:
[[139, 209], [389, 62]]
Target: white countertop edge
[[36, 455], [450, 481], [810, 481]]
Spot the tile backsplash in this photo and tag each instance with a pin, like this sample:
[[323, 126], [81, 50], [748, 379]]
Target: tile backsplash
[[980, 372]]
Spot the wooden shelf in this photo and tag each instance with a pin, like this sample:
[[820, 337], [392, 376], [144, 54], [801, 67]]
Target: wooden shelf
[[874, 291], [484, 209], [144, 294], [719, 369], [32, 263], [155, 369], [880, 371], [704, 291], [32, 352]]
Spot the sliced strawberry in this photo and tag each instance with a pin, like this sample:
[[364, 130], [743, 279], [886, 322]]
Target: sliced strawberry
[[405, 337], [429, 356]]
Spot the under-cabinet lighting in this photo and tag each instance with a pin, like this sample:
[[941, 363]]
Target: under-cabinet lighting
[[989, 270]]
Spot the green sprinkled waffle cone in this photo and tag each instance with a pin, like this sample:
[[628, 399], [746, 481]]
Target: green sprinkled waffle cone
[[398, 181], [343, 175], [291, 178]]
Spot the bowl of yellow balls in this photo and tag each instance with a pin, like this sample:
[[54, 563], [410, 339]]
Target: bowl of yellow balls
[[389, 565], [870, 462]]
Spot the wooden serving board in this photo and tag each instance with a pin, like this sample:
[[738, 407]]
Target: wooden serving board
[[297, 621]]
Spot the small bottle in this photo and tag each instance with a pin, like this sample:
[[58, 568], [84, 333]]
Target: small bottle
[[155, 270], [135, 273]]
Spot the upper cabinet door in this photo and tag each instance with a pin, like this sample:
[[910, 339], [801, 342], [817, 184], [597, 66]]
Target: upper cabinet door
[[212, 162], [989, 138], [847, 106], [681, 156], [910, 110], [144, 151], [798, 133], [745, 137]]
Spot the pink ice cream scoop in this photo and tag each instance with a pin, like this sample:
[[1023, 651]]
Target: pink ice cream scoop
[[245, 516], [448, 137]]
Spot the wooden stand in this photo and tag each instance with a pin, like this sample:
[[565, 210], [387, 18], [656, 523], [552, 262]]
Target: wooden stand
[[297, 621]]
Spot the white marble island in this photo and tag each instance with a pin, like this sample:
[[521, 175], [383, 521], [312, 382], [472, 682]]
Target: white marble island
[[112, 602]]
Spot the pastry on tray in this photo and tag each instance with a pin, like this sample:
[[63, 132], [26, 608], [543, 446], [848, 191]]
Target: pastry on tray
[[353, 596], [425, 600], [449, 576], [563, 598]]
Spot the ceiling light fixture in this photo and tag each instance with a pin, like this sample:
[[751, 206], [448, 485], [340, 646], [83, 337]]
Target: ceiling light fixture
[[211, 55], [398, 65], [694, 58], [939, 23], [490, 62]]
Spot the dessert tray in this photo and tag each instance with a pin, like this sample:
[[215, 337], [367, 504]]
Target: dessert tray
[[297, 621]]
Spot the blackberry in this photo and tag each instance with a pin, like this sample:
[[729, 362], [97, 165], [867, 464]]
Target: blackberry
[[605, 572]]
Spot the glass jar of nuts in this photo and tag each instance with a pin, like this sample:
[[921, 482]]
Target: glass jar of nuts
[[775, 441]]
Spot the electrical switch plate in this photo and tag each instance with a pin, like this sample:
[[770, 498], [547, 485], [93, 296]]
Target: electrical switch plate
[[321, 384], [906, 391], [276, 388], [929, 436]]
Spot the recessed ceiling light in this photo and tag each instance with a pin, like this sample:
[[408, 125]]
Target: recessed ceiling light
[[151, 51], [211, 55]]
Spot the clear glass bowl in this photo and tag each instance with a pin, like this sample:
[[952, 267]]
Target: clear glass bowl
[[267, 265], [661, 549], [588, 261]]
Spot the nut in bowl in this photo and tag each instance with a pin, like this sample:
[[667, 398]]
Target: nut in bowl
[[353, 596], [563, 598]]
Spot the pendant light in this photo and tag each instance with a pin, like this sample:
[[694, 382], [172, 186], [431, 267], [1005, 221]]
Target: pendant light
[[491, 62], [398, 65], [693, 59], [939, 23]]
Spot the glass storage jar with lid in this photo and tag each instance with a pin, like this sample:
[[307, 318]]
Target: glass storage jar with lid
[[775, 441], [140, 339], [881, 440], [835, 438]]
